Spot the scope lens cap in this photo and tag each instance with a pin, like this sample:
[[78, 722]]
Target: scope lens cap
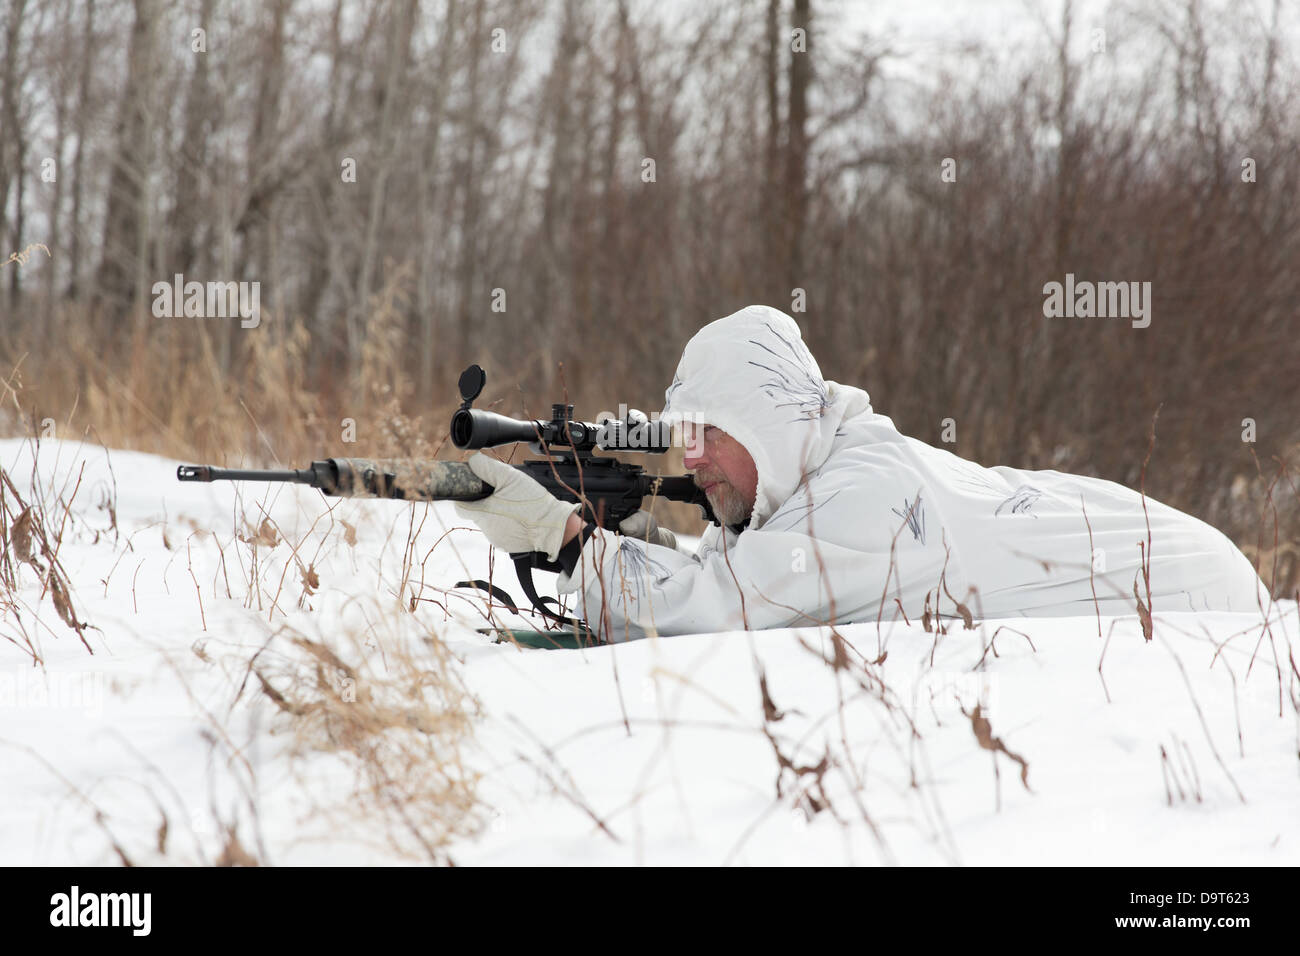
[[471, 382]]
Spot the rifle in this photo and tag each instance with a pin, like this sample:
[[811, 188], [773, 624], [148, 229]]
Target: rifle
[[609, 490]]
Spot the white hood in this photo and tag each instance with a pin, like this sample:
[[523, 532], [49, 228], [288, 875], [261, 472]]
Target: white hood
[[751, 375]]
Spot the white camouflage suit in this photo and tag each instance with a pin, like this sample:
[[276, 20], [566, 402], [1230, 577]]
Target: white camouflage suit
[[851, 514]]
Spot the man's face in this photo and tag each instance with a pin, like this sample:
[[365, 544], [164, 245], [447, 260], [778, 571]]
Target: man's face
[[723, 470]]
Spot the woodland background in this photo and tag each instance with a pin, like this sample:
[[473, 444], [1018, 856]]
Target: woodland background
[[502, 144]]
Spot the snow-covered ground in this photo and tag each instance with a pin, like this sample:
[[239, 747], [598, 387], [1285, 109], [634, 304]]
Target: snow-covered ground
[[1182, 750]]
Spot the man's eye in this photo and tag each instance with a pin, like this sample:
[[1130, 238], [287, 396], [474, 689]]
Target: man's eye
[[710, 429]]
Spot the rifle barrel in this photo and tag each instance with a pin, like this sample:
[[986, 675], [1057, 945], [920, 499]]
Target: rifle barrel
[[431, 480], [212, 473]]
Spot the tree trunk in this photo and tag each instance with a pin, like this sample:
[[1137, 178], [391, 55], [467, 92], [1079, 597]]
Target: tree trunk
[[399, 49], [772, 240], [466, 272], [124, 221], [190, 158], [78, 156], [55, 213], [263, 178], [320, 240], [796, 170], [13, 144], [426, 306]]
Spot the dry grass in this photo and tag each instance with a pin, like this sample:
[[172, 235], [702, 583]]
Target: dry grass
[[31, 536], [400, 725], [216, 393], [387, 700], [388, 704]]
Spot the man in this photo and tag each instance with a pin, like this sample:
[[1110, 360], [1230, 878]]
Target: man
[[829, 514]]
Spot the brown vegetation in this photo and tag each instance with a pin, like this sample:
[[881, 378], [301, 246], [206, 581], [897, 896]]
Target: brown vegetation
[[515, 161]]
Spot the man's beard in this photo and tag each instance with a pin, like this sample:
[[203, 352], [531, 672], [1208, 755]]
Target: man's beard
[[727, 505]]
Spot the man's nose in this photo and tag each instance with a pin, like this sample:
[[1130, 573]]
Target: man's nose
[[693, 456]]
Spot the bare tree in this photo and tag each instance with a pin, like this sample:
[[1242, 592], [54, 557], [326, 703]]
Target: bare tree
[[13, 140], [123, 263], [81, 130]]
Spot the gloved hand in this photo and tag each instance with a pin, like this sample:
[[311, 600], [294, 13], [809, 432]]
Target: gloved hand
[[643, 525], [519, 515]]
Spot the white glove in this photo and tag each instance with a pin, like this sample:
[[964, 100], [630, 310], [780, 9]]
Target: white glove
[[519, 515], [643, 525]]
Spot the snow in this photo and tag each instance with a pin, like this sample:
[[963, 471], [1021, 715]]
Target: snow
[[654, 752]]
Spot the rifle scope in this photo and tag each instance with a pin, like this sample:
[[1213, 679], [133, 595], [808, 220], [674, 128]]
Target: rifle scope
[[473, 428]]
